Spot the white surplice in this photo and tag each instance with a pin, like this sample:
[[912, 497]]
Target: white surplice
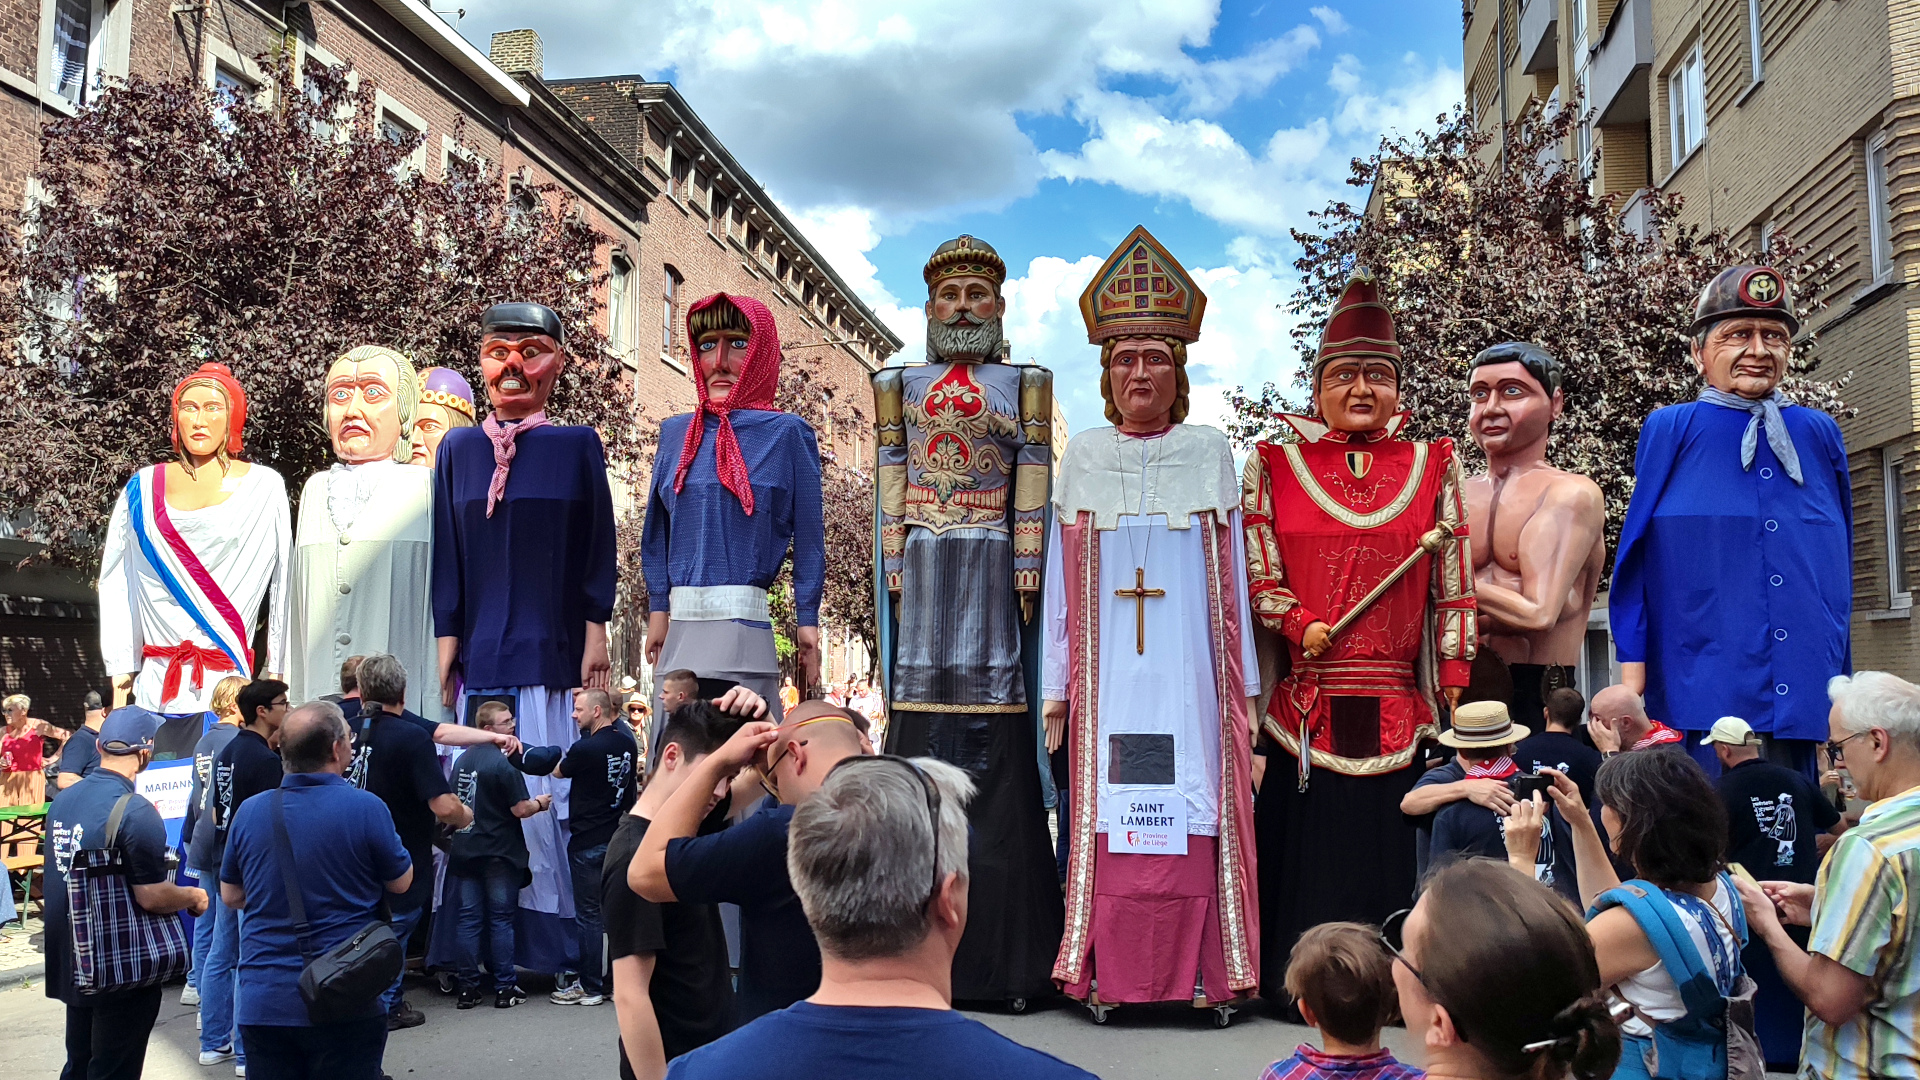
[[1134, 487], [363, 579], [242, 543]]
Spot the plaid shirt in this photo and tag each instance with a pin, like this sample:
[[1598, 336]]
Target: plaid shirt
[[1307, 1063]]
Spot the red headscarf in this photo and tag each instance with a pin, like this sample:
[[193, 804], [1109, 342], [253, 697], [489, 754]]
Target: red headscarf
[[236, 402], [753, 390]]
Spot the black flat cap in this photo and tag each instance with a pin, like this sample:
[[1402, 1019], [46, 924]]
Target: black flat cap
[[523, 318]]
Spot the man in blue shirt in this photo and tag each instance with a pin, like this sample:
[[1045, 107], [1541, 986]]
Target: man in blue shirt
[[747, 863], [107, 1033], [81, 754], [1733, 581], [879, 860], [350, 860]]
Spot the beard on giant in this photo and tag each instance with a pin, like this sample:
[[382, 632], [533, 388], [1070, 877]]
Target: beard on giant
[[962, 336]]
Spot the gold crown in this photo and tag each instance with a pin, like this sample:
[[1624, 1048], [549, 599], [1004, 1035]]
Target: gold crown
[[965, 255], [447, 401], [1142, 291]]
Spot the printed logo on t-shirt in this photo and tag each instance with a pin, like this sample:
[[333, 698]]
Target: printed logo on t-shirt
[[619, 770], [466, 787], [1775, 819], [66, 840], [362, 761], [222, 795]]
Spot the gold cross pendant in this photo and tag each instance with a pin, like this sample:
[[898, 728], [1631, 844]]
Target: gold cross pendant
[[1138, 594]]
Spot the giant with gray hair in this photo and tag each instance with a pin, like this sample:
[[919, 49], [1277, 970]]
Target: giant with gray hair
[[860, 852]]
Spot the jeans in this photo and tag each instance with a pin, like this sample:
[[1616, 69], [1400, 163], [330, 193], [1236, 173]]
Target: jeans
[[348, 1050], [108, 1041], [404, 923], [488, 901], [218, 974], [585, 865]]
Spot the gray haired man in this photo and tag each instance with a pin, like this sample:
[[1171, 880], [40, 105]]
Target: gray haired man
[[878, 856]]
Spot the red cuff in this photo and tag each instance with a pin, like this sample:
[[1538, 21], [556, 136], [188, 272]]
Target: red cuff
[[1455, 672], [1295, 622]]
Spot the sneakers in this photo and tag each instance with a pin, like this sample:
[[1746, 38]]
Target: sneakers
[[239, 1070], [190, 995], [592, 999], [469, 998], [404, 1016], [215, 1057], [570, 993], [507, 999]]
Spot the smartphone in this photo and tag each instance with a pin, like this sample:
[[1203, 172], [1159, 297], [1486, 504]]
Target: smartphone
[[1741, 872]]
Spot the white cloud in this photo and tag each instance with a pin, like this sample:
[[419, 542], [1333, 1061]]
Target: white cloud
[[1335, 22]]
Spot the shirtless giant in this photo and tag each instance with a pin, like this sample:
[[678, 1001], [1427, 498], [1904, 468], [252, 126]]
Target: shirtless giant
[[1542, 531]]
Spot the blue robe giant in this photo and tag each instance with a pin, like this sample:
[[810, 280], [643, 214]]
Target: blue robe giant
[[1735, 586]]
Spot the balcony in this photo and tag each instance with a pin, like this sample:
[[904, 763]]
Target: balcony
[[1637, 216], [1540, 35], [1618, 70]]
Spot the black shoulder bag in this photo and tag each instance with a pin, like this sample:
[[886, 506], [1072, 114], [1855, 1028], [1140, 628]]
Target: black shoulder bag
[[346, 981]]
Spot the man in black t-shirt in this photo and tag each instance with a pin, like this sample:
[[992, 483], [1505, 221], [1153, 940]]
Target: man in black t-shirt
[[601, 767], [1559, 746], [487, 861], [393, 757], [672, 990]]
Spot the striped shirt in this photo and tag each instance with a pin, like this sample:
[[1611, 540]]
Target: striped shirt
[[1312, 1063], [1861, 919]]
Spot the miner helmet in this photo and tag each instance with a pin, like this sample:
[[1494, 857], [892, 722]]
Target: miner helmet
[[1759, 291]]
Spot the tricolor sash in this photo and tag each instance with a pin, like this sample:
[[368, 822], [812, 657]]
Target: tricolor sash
[[181, 571]]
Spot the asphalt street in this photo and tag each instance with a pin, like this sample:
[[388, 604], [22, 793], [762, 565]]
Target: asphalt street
[[542, 1041]]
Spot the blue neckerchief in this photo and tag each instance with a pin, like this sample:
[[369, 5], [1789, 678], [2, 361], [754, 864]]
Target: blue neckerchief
[[1765, 411]]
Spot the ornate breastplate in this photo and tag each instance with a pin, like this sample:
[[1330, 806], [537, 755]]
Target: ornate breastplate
[[963, 434]]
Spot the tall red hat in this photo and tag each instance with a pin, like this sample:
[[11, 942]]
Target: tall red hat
[[1360, 325]]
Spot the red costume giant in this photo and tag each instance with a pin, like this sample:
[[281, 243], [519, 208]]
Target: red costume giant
[[1328, 520]]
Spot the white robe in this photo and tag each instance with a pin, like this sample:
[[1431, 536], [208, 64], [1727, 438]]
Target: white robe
[[243, 544], [1170, 688], [363, 579]]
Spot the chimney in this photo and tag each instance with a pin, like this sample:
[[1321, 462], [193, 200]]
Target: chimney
[[517, 52]]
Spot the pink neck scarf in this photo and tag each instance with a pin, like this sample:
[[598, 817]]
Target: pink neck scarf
[[503, 436]]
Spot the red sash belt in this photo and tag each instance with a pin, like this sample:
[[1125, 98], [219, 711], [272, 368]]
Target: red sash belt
[[179, 659]]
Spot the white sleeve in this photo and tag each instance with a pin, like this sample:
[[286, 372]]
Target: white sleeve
[[1054, 663], [1249, 656], [121, 647], [277, 599]]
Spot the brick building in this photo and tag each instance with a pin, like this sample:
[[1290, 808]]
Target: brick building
[[1791, 118], [683, 219]]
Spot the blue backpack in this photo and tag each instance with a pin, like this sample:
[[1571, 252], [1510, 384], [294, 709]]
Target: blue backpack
[[1715, 1039]]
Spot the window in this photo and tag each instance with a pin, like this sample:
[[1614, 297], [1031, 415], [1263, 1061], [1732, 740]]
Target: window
[[753, 240], [677, 175], [717, 224], [1898, 595], [1879, 211], [1767, 232], [1578, 27], [1687, 105], [668, 292], [619, 307], [1756, 59], [73, 40], [231, 90], [782, 267]]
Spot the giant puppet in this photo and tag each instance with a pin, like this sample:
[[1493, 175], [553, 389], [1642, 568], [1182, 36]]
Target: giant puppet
[[193, 547], [1540, 533], [446, 402], [363, 547], [736, 485], [523, 578], [1733, 582], [1150, 666], [964, 460], [1357, 551]]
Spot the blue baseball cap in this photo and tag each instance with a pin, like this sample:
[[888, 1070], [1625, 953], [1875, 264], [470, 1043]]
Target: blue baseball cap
[[539, 760], [128, 730]]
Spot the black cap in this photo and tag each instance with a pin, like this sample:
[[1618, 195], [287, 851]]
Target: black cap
[[1541, 364], [1737, 291], [523, 318], [538, 760]]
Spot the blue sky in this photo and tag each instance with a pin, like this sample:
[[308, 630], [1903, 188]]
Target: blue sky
[[1047, 127]]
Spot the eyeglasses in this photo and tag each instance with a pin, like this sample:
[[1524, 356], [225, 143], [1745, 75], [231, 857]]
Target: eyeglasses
[[767, 782], [1392, 935], [1836, 747], [933, 803]]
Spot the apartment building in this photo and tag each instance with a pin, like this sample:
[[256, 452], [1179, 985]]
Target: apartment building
[[1773, 118], [680, 223]]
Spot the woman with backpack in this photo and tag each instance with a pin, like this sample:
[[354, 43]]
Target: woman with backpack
[[1668, 941]]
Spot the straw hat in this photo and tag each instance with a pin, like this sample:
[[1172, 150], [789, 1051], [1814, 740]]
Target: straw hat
[[1483, 724]]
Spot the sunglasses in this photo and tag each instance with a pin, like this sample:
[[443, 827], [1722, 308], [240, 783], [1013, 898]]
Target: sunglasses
[[1393, 936], [933, 803], [768, 782]]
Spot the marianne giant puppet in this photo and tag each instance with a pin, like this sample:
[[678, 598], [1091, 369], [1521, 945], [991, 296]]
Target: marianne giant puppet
[[523, 576], [363, 551], [193, 547], [1150, 666], [964, 455], [1358, 556]]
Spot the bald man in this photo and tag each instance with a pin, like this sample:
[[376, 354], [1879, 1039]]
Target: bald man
[[747, 863], [1618, 719]]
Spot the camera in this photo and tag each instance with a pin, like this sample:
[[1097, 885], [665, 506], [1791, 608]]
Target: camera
[[1526, 783]]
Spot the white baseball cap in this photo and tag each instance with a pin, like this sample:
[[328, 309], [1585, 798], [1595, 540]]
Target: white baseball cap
[[1732, 731]]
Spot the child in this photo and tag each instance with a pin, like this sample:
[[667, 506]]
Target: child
[[1342, 980]]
